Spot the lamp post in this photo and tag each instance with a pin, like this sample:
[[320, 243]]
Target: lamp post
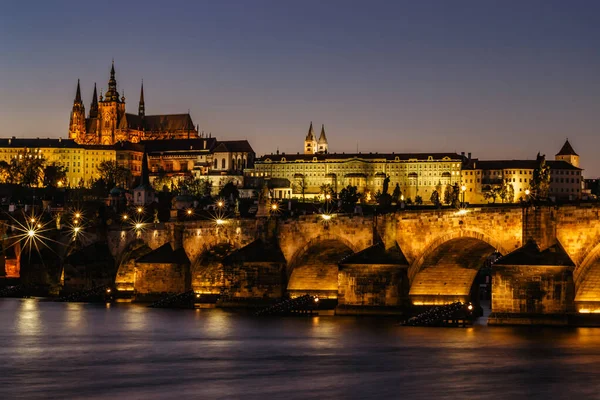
[[463, 189]]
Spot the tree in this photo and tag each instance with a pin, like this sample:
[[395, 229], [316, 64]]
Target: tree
[[114, 174], [162, 182], [541, 178], [510, 193], [196, 186], [349, 196], [26, 169], [229, 192], [452, 194], [438, 189], [396, 194], [326, 189], [435, 198], [491, 194], [5, 175], [506, 192], [448, 195], [418, 200], [54, 175], [300, 185], [596, 188]]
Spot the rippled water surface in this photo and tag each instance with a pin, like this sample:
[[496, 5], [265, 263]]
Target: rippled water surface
[[67, 351]]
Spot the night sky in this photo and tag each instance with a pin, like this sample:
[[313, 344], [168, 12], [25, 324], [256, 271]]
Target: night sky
[[500, 79]]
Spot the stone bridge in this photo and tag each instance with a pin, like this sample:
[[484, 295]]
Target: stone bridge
[[551, 260]]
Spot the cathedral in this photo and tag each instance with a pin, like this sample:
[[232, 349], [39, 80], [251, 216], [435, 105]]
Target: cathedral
[[109, 123]]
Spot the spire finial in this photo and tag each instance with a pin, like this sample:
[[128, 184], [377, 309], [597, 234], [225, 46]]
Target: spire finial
[[78, 93], [142, 106]]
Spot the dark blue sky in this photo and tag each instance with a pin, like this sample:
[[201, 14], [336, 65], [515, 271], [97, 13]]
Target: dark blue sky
[[501, 79]]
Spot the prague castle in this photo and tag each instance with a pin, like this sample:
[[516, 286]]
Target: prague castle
[[416, 174], [108, 122]]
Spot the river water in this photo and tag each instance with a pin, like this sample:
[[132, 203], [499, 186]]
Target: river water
[[69, 351]]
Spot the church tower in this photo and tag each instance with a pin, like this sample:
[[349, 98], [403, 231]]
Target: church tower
[[77, 123], [322, 141], [310, 143], [142, 106], [94, 105], [567, 154]]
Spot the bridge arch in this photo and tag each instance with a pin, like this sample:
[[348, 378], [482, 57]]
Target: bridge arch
[[125, 278], [314, 267], [447, 269], [417, 264], [586, 278]]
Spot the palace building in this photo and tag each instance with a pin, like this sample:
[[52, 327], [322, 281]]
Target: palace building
[[303, 175], [417, 174], [108, 122], [482, 176]]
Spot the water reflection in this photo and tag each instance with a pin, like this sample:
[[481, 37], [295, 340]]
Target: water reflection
[[56, 350], [28, 317]]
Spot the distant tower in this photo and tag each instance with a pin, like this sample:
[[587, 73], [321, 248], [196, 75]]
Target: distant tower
[[110, 111], [77, 123], [567, 154], [322, 141], [94, 105], [310, 143], [142, 107]]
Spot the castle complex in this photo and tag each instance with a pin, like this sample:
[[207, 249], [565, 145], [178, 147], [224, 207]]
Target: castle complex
[[174, 149], [416, 174], [108, 122]]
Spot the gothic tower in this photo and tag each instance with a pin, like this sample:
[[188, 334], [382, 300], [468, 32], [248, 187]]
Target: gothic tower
[[310, 143], [322, 141], [77, 123], [110, 111]]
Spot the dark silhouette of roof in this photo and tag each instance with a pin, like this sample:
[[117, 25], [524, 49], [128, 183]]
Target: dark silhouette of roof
[[361, 156], [165, 255], [241, 146], [567, 150], [257, 251], [377, 254], [556, 164], [530, 254], [38, 143], [194, 144]]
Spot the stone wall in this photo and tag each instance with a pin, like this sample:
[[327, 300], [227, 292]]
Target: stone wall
[[372, 285], [161, 278], [527, 289], [256, 280]]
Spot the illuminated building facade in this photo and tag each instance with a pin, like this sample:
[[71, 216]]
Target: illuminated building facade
[[108, 122]]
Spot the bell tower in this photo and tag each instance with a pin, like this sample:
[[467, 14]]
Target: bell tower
[[310, 143], [77, 122], [110, 108]]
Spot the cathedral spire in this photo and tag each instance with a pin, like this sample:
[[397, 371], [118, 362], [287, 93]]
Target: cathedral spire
[[111, 93], [142, 107], [323, 146], [78, 93], [94, 106], [311, 133]]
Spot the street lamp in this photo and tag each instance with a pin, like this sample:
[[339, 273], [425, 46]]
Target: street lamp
[[463, 189]]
